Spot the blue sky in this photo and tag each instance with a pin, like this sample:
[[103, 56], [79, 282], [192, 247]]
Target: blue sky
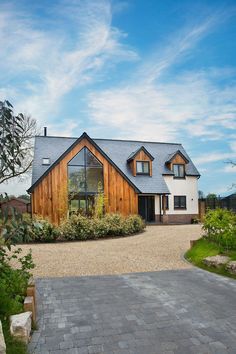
[[147, 70]]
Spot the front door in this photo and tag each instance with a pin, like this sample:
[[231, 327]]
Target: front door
[[146, 208]]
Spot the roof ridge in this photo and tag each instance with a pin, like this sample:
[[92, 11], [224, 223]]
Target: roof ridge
[[124, 140]]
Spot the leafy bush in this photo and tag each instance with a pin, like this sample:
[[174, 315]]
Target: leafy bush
[[23, 229], [44, 231], [220, 227], [13, 282], [79, 227]]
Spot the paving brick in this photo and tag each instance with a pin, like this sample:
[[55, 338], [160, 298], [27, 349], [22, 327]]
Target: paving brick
[[180, 312]]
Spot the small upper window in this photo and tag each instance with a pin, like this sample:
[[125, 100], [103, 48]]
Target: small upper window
[[46, 161], [142, 168], [179, 171]]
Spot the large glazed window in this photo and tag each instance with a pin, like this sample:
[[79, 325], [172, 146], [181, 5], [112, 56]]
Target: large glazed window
[[85, 179]]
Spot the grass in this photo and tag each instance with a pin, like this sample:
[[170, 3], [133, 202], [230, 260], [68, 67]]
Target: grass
[[13, 346], [202, 249]]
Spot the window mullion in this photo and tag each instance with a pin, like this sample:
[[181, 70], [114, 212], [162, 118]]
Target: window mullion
[[85, 180]]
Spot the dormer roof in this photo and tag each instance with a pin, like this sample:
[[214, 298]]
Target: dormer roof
[[171, 157], [134, 153]]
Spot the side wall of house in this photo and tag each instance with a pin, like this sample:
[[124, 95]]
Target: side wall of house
[[50, 196], [185, 187]]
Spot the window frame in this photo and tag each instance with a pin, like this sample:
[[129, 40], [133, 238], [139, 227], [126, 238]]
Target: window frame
[[179, 207], [46, 163], [142, 162], [178, 176]]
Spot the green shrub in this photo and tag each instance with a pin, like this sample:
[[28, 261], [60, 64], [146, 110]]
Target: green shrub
[[13, 281], [24, 229], [220, 227], [79, 227], [44, 231]]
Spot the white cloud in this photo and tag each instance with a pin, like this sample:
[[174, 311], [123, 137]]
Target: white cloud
[[192, 105], [230, 169], [214, 157], [53, 64], [150, 106]]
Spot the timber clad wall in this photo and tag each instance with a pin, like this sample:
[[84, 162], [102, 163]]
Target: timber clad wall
[[50, 196], [177, 160], [141, 156]]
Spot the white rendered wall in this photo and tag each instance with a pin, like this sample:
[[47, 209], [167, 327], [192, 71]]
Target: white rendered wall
[[157, 205], [187, 187]]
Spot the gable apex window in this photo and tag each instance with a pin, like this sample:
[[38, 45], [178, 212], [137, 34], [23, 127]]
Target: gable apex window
[[85, 181], [46, 161], [143, 167], [179, 170]]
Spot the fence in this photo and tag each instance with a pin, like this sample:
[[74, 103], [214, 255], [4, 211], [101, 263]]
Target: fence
[[228, 203]]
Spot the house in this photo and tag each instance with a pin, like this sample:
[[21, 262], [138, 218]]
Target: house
[[156, 180], [21, 205]]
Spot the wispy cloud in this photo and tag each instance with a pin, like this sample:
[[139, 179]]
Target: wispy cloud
[[215, 157], [54, 65], [150, 105], [177, 47], [230, 169]]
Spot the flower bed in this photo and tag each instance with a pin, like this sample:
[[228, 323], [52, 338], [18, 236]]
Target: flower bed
[[219, 240]]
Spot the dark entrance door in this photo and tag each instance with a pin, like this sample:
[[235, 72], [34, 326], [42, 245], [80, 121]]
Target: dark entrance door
[[146, 207]]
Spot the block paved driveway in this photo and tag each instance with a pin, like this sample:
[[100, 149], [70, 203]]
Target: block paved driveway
[[179, 311]]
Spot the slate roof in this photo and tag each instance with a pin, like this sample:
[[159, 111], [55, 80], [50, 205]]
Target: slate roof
[[118, 151]]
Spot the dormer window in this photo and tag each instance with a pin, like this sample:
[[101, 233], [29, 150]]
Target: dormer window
[[46, 161], [143, 167], [179, 170]]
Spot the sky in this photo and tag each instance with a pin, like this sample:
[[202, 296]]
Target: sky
[[140, 70]]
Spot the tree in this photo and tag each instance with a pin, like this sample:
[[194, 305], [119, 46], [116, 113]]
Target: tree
[[200, 194], [24, 196], [16, 133], [211, 196], [233, 165]]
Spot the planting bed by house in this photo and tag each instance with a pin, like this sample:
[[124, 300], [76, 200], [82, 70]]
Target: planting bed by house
[[216, 251]]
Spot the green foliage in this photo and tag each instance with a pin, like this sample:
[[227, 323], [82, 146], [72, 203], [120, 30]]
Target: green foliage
[[76, 227], [211, 196], [16, 132], [43, 231], [13, 345], [22, 229], [204, 248], [13, 281], [99, 202], [220, 227], [79, 227], [11, 128]]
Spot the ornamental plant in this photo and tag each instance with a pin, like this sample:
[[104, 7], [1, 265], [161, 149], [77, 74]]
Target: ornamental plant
[[220, 227]]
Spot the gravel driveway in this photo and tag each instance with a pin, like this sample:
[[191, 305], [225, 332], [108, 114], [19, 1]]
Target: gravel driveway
[[158, 248]]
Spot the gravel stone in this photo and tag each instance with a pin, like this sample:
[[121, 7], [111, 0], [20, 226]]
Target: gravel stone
[[158, 248]]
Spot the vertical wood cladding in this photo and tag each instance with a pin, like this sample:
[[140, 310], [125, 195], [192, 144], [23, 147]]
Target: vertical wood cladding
[[141, 156], [176, 160], [50, 196]]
